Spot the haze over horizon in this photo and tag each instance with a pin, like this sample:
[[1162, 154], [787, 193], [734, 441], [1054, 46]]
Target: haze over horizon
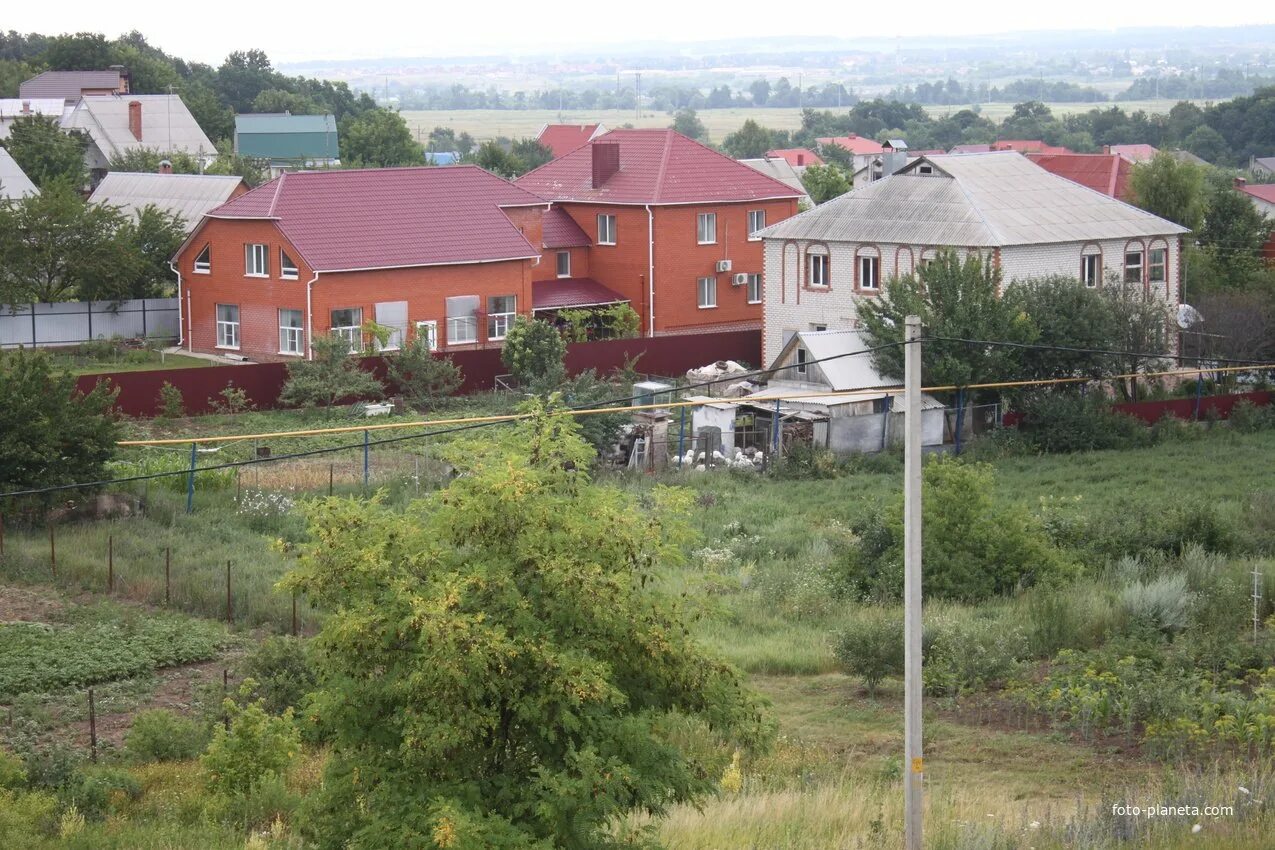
[[576, 25]]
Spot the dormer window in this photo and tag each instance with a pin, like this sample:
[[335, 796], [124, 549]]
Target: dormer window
[[203, 260], [287, 266]]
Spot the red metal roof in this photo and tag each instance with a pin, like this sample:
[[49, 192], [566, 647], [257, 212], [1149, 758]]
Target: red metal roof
[[564, 138], [561, 231], [1261, 191], [1136, 153], [568, 292], [854, 143], [656, 167], [796, 157], [391, 217], [1105, 173]]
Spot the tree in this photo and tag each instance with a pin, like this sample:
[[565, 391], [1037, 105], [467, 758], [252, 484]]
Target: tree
[[252, 170], [529, 665], [1233, 233], [1206, 143], [378, 138], [1170, 189], [147, 160], [45, 153], [760, 90], [84, 51], [825, 182], [331, 376], [533, 353], [1142, 325], [531, 153], [280, 100], [155, 235], [1064, 313], [420, 375], [494, 158], [53, 433], [686, 122], [748, 142]]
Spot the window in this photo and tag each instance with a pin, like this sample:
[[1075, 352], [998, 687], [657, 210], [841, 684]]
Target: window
[[926, 169], [291, 335], [756, 222], [606, 230], [706, 228], [1157, 265], [462, 319], [287, 268], [501, 312], [564, 264], [818, 328], [428, 331], [869, 272], [707, 292], [203, 261], [347, 323], [227, 325], [818, 269], [392, 315], [754, 289], [1133, 267], [1091, 270], [928, 255], [801, 360], [256, 263]]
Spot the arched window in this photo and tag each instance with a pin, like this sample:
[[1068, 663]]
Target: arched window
[[1091, 266], [867, 268], [1135, 261], [903, 261], [1158, 266], [818, 267]]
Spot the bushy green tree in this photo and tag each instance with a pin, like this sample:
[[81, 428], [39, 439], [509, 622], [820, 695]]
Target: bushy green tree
[[1233, 233], [1170, 189], [528, 664], [154, 236], [1064, 313], [330, 376], [686, 122], [534, 353], [45, 153], [420, 375], [378, 138], [750, 141], [825, 182], [147, 160], [53, 434], [255, 746]]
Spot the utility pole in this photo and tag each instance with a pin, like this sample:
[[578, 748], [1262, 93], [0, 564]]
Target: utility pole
[[637, 100], [913, 764]]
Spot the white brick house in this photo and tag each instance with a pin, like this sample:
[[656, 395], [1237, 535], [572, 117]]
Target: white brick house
[[1029, 222]]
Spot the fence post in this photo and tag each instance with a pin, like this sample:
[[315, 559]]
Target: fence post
[[144, 333], [960, 417], [190, 481], [225, 692], [681, 450], [365, 460], [230, 611], [110, 563], [168, 584], [53, 553], [1199, 392], [774, 430], [885, 421], [331, 466], [1, 534], [92, 728]]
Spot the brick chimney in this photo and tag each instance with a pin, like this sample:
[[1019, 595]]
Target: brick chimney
[[1239, 183], [801, 159], [165, 167], [1106, 149], [606, 162], [135, 119]]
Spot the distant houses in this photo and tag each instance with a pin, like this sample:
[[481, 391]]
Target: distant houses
[[116, 125], [562, 139], [287, 141], [70, 86], [1108, 173]]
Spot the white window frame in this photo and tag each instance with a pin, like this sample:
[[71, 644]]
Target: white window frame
[[819, 267], [606, 229], [287, 272], [705, 287], [1152, 265], [430, 331], [1140, 265], [227, 330], [801, 360], [564, 260], [754, 289], [756, 222], [706, 228], [203, 266], [291, 337], [499, 323], [869, 270], [1091, 277], [352, 334], [252, 253]]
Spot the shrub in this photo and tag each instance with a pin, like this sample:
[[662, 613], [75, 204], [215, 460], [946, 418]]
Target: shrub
[[160, 735], [1247, 417], [1162, 603], [171, 403], [255, 746], [25, 817], [803, 461], [13, 774], [533, 353], [96, 791], [871, 647], [281, 668], [1053, 623], [232, 399], [972, 654], [420, 376], [1066, 421], [330, 376]]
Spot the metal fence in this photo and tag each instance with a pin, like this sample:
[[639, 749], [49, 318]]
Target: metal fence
[[74, 322]]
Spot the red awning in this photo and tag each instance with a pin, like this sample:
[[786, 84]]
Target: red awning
[[572, 292]]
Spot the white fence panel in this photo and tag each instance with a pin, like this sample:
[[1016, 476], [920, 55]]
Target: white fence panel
[[73, 322]]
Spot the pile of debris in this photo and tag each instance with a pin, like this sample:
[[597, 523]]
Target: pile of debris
[[721, 372]]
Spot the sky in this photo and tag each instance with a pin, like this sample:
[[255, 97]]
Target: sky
[[206, 33]]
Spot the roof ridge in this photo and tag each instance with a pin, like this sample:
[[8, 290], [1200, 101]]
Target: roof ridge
[[275, 198], [659, 176]]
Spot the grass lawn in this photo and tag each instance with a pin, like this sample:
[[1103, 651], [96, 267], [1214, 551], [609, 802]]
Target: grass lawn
[[133, 360]]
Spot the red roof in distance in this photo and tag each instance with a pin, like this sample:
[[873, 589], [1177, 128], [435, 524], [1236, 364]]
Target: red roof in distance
[[1261, 191], [971, 149], [572, 292], [1134, 153], [1026, 146], [1102, 172], [854, 143], [655, 167], [796, 157], [564, 138], [561, 231], [391, 217]]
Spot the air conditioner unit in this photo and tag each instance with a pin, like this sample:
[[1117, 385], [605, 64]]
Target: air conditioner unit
[[740, 279], [723, 265]]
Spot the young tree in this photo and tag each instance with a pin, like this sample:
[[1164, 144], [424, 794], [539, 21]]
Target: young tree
[[45, 153], [1170, 189], [1233, 233], [526, 663], [531, 154], [1066, 314], [825, 182], [154, 235], [421, 376], [331, 376], [378, 138], [533, 353], [686, 122], [748, 142], [53, 434]]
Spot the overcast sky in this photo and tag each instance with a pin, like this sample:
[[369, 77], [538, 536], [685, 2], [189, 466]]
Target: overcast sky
[[207, 32]]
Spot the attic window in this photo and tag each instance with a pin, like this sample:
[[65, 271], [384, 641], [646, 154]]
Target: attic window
[[203, 261], [287, 267], [925, 169], [801, 360]]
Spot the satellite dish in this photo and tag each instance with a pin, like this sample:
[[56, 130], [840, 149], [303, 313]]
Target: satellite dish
[[1188, 316]]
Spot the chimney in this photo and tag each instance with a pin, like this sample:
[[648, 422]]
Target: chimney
[[135, 119], [1106, 149], [606, 162], [123, 87], [1239, 183], [801, 159], [165, 167]]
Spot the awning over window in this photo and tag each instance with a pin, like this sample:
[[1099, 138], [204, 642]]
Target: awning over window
[[572, 293]]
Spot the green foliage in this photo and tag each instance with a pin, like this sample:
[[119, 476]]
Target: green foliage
[[230, 400], [328, 378], [421, 376], [47, 155], [13, 774], [533, 353], [619, 321], [528, 661], [161, 735], [1247, 417], [154, 235], [871, 646], [26, 817], [750, 141], [1065, 314], [147, 160], [1162, 603], [587, 390], [379, 138], [53, 434], [283, 671], [825, 182], [511, 159], [255, 747], [1170, 189], [1069, 421], [171, 403], [686, 122], [971, 654], [95, 792]]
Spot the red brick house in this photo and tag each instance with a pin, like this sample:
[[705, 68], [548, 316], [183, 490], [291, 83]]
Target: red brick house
[[670, 225], [448, 253]]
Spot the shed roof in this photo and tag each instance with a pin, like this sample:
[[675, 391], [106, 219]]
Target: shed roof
[[797, 157], [190, 196], [975, 200], [780, 170], [14, 184], [64, 84], [847, 371], [167, 124], [569, 292]]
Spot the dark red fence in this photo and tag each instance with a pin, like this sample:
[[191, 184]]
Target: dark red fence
[[262, 382], [1184, 408]]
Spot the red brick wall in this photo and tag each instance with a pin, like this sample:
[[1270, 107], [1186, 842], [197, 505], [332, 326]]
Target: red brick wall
[[548, 268], [622, 266]]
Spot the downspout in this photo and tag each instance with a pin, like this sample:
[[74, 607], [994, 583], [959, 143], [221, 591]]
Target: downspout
[[309, 319], [650, 270], [181, 328]]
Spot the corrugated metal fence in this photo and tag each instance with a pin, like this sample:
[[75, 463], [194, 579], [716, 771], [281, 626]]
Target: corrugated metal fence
[[73, 322]]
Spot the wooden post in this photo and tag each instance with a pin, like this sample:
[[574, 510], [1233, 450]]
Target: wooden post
[[168, 582], [92, 728], [1, 534], [53, 553], [190, 479], [230, 611], [331, 467], [110, 563], [294, 613]]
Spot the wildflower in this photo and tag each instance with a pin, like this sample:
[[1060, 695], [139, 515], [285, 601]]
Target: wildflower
[[1034, 825], [1196, 828], [1244, 790]]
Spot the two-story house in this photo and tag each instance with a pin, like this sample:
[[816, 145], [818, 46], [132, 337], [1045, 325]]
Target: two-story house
[[1029, 222]]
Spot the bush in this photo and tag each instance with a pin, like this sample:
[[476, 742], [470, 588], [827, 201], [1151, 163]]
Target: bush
[[160, 735], [1066, 421], [281, 668], [231, 400], [533, 353], [803, 461], [972, 654], [420, 376], [871, 647], [1162, 604], [255, 746], [1247, 417], [96, 791], [332, 375], [26, 817], [1053, 623], [13, 774], [171, 403]]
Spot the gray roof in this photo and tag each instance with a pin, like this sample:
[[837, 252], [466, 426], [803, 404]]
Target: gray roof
[[780, 169], [13, 183], [283, 122], [167, 124], [187, 195], [1267, 162], [13, 108], [66, 84], [972, 200]]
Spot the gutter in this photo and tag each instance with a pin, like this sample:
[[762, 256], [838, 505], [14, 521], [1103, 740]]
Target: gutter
[[181, 327], [650, 270], [309, 319]]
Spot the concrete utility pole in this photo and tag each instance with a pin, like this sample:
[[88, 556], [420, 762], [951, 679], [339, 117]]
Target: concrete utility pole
[[913, 765]]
